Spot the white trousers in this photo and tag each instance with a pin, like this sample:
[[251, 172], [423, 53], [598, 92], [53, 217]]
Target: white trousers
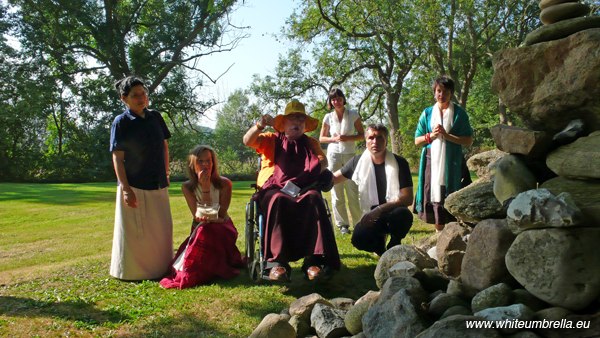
[[338, 199]]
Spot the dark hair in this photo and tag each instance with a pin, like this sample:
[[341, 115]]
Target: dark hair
[[124, 85], [380, 128], [443, 81], [335, 92]]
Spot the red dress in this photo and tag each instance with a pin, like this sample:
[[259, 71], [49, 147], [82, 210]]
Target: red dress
[[208, 253]]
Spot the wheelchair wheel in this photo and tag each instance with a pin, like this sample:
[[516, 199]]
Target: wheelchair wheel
[[256, 272], [249, 232]]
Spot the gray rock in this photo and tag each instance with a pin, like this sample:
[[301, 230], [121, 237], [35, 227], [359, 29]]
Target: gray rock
[[480, 163], [515, 311], [303, 306], [456, 310], [591, 327], [455, 287], [443, 302], [522, 141], [507, 314], [397, 254], [455, 327], [559, 12], [451, 248], [572, 131], [474, 203], [433, 279], [327, 321], [522, 296], [522, 334], [274, 326], [369, 297], [561, 29], [547, 3], [586, 195], [359, 335], [302, 327], [353, 318], [495, 296], [558, 265], [539, 208], [394, 284], [553, 313], [579, 160], [399, 316], [403, 269], [483, 264], [342, 303], [511, 177], [548, 92]]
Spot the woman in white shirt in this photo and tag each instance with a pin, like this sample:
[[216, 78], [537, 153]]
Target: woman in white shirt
[[341, 128]]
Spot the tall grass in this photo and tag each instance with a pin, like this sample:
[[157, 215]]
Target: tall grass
[[55, 244]]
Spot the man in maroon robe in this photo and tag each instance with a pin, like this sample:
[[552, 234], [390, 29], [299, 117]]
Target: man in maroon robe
[[297, 225]]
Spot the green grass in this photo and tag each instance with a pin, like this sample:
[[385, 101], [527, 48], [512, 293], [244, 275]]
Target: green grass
[[55, 244]]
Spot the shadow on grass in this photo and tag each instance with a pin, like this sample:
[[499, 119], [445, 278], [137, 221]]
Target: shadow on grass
[[181, 325], [75, 311]]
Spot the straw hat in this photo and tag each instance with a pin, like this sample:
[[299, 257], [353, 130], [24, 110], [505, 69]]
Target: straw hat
[[295, 107]]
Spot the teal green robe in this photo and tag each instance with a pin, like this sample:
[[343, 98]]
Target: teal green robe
[[454, 156]]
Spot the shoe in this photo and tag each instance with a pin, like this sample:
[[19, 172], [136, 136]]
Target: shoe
[[344, 230], [278, 274], [313, 272]]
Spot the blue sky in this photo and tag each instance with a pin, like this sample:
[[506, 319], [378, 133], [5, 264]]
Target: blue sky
[[256, 54]]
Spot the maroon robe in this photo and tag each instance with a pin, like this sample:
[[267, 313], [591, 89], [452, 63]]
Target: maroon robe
[[296, 227]]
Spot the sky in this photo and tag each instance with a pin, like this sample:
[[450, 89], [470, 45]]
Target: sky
[[256, 54]]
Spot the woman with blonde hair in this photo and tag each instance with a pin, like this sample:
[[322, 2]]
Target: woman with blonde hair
[[209, 252]]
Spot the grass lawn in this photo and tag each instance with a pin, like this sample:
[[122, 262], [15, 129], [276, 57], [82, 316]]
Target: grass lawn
[[55, 245]]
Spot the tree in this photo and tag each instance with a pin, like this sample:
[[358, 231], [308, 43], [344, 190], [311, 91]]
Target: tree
[[373, 40], [233, 120]]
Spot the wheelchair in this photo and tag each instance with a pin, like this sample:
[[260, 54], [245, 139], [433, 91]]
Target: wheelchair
[[258, 267]]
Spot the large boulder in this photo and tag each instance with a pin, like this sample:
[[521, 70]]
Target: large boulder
[[474, 203], [539, 208], [558, 265], [586, 195], [483, 263], [579, 160], [549, 84]]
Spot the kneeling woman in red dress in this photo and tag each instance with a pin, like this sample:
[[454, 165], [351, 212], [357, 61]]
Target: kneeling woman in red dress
[[209, 252]]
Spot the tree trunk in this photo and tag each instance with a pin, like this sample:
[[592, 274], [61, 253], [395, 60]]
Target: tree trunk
[[392, 108]]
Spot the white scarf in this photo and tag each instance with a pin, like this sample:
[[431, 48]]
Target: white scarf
[[438, 151], [343, 127], [364, 176]]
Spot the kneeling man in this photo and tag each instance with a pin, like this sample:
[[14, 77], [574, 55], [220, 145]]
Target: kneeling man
[[385, 192]]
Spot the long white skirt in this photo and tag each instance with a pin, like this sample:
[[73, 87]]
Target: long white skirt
[[143, 236]]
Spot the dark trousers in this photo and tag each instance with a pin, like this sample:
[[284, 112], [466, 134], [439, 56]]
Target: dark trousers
[[371, 237]]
